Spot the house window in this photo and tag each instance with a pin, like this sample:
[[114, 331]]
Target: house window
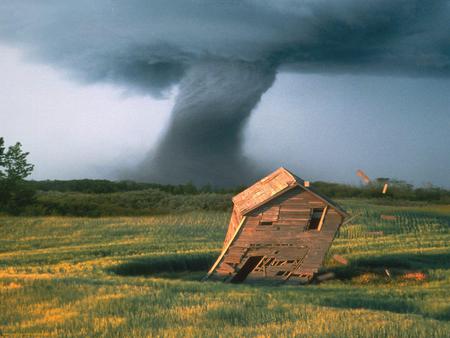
[[316, 217]]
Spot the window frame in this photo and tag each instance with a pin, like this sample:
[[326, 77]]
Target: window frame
[[321, 220]]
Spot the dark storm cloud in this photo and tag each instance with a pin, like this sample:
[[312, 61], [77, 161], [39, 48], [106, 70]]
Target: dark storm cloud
[[226, 55], [404, 37], [126, 41]]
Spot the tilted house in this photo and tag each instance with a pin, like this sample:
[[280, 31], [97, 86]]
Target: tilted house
[[280, 230]]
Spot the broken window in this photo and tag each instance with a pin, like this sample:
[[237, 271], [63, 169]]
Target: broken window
[[316, 218]]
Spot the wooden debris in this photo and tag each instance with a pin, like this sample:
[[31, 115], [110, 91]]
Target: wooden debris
[[386, 271], [416, 276], [362, 175], [348, 220], [375, 233], [340, 259], [11, 285], [388, 217], [385, 188], [325, 276]]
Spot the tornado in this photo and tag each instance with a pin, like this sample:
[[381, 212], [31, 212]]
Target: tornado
[[203, 142]]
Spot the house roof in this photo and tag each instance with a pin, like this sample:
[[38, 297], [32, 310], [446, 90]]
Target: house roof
[[272, 186]]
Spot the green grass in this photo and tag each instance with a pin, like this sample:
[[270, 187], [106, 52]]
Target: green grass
[[140, 276]]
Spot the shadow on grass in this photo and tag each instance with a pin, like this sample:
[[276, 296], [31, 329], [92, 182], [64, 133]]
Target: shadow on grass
[[177, 266], [379, 301], [194, 266], [375, 268], [396, 264]]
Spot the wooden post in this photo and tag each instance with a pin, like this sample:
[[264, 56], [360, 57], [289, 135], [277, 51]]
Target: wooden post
[[322, 218]]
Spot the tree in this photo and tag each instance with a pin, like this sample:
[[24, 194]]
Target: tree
[[15, 193]]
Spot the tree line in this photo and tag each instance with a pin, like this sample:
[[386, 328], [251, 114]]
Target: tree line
[[103, 197], [397, 189], [95, 186]]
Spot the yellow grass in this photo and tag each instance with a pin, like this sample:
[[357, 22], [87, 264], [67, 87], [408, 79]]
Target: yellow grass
[[60, 277]]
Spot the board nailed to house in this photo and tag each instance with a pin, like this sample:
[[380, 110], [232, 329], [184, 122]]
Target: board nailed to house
[[280, 230]]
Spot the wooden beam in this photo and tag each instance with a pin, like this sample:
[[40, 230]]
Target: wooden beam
[[322, 218], [225, 249], [325, 276], [340, 259], [348, 220], [363, 176]]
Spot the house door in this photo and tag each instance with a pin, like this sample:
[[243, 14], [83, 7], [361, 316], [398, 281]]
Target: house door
[[248, 267]]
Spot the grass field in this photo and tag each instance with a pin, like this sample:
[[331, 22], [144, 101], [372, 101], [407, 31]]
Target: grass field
[[139, 276]]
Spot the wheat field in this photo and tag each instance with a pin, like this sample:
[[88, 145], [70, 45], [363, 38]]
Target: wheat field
[[140, 277]]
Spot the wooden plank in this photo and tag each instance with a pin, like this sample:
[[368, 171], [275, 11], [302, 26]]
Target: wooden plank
[[348, 220], [295, 218], [324, 212], [340, 259], [326, 276], [375, 233], [287, 209], [363, 176], [293, 221], [292, 212]]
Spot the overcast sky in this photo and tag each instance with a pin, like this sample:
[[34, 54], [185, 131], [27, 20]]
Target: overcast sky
[[223, 92], [321, 127]]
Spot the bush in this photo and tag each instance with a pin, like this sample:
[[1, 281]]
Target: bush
[[145, 202]]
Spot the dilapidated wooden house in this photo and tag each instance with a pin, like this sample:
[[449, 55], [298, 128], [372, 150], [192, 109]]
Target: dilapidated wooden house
[[280, 230]]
